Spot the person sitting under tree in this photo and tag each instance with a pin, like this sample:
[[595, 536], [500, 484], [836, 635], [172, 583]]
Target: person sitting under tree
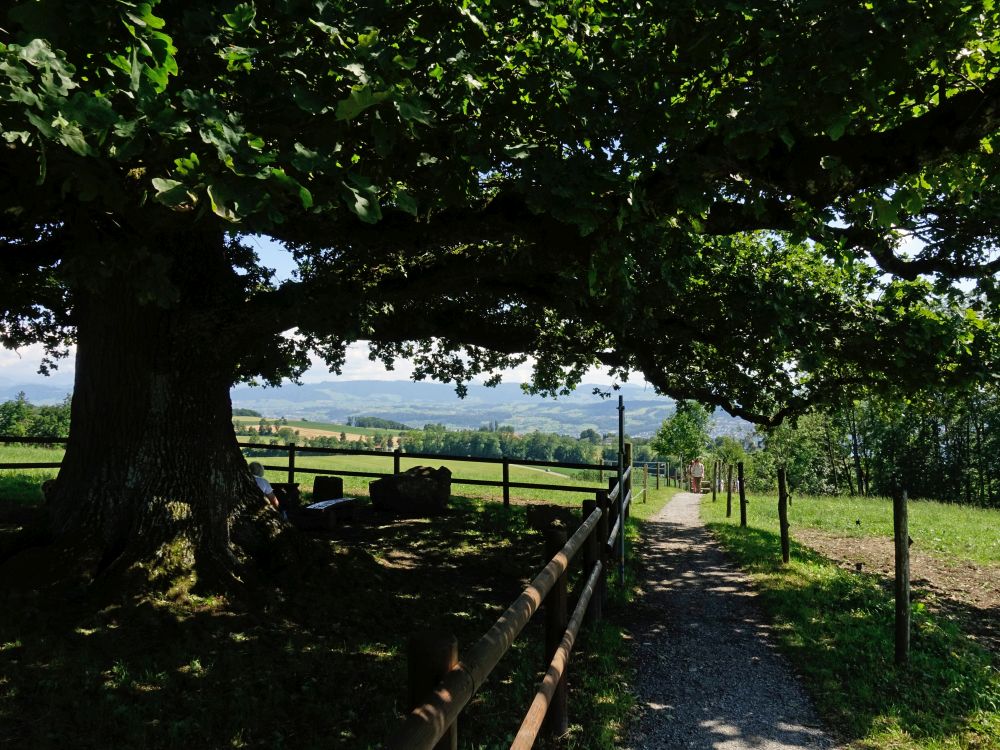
[[258, 474], [697, 471]]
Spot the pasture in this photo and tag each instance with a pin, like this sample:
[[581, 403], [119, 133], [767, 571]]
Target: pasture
[[836, 623], [319, 659]]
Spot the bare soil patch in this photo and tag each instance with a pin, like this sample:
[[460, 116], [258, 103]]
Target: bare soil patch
[[965, 590]]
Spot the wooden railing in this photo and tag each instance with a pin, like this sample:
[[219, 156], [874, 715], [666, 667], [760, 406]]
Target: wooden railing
[[295, 450], [397, 455], [432, 721]]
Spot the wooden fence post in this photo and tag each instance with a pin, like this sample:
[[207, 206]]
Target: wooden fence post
[[432, 654], [506, 482], [556, 619], [603, 529], [291, 463], [729, 491], [901, 537], [645, 482], [783, 516], [627, 489], [715, 478], [591, 556], [658, 467], [743, 495], [395, 460]]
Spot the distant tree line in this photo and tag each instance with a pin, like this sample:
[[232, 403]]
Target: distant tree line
[[23, 419], [942, 446], [376, 423], [246, 413]]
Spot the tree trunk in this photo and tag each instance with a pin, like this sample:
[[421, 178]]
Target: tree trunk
[[152, 472]]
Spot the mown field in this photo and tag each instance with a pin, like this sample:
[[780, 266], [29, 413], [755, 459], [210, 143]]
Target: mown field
[[836, 624], [332, 427], [318, 660]]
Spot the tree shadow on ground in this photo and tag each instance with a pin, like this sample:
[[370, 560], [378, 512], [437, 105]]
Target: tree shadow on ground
[[317, 661]]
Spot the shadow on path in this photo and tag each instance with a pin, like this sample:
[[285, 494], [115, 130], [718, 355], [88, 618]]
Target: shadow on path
[[707, 676]]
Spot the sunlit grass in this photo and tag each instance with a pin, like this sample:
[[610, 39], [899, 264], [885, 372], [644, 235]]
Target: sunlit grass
[[958, 531], [837, 627]]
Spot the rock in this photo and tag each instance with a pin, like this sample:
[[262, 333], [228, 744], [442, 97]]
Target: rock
[[420, 491]]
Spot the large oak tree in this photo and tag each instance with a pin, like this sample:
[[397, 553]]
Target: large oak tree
[[714, 194]]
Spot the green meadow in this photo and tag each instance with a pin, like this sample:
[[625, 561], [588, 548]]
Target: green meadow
[[949, 530], [836, 625]]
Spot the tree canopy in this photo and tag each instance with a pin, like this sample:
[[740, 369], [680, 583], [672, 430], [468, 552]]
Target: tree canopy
[[758, 206]]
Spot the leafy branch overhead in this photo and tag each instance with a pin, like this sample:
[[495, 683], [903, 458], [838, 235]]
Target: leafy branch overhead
[[757, 207]]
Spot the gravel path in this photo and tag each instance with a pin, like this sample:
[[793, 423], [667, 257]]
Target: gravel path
[[707, 676]]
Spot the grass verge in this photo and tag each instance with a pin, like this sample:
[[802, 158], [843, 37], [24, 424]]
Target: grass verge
[[836, 627]]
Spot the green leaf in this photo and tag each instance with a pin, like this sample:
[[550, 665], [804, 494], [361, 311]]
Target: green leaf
[[242, 17], [360, 99], [223, 202], [837, 127], [363, 201], [406, 202], [171, 193]]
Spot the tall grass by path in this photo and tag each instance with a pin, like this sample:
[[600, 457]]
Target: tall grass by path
[[949, 530], [837, 628]]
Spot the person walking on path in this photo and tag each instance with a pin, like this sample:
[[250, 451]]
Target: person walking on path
[[707, 674], [697, 472]]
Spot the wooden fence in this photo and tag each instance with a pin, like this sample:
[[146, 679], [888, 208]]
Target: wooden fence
[[293, 451], [432, 722], [397, 456]]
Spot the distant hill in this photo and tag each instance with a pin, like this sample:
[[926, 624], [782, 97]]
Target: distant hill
[[420, 403]]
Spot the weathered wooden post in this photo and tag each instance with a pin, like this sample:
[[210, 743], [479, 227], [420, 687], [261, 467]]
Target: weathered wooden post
[[591, 556], [396, 454], [743, 494], [431, 655], [291, 463], [645, 482], [627, 489], [603, 530], [783, 516], [506, 482], [901, 537], [715, 478], [556, 619], [614, 509], [729, 491], [659, 466]]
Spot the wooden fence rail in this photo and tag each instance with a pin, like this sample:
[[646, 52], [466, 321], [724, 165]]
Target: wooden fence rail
[[293, 450], [434, 718]]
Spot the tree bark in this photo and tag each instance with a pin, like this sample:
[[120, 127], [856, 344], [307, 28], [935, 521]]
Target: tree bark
[[152, 472]]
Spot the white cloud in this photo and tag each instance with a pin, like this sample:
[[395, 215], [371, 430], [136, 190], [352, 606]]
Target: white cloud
[[21, 366]]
